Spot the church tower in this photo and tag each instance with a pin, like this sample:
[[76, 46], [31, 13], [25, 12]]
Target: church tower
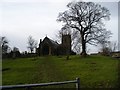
[[66, 43]]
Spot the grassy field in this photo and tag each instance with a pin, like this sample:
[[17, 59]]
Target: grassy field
[[93, 71]]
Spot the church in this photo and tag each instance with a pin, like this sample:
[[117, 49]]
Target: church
[[51, 47]]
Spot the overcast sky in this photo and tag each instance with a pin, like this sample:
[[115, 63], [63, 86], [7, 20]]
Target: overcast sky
[[21, 18]]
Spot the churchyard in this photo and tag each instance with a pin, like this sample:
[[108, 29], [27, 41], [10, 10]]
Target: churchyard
[[94, 71]]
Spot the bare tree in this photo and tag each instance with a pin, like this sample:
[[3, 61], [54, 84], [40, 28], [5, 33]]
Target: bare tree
[[108, 47], [87, 19], [16, 52], [4, 44], [32, 44], [113, 46]]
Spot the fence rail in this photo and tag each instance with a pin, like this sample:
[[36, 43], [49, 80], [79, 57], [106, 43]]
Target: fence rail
[[77, 81]]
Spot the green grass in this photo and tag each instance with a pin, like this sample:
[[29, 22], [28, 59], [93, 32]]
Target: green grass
[[93, 71]]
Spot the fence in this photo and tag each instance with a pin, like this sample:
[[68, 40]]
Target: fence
[[28, 86]]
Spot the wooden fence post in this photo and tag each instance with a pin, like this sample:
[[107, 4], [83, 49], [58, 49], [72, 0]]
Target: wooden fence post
[[78, 84]]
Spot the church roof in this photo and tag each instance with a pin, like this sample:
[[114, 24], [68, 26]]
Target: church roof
[[53, 42], [50, 42]]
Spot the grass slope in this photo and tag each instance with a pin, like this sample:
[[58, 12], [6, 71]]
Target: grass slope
[[93, 71]]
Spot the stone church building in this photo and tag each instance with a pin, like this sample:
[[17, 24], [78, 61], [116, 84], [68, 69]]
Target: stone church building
[[50, 47]]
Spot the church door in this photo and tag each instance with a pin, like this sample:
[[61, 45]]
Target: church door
[[45, 50]]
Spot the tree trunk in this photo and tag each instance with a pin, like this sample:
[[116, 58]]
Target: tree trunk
[[83, 53]]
